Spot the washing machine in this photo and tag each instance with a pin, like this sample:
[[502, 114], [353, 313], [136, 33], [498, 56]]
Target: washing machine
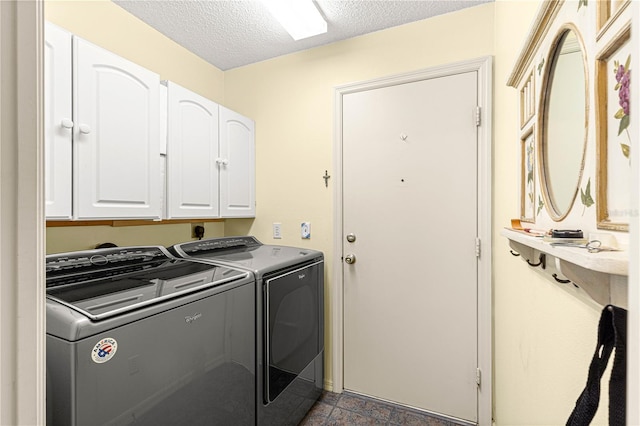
[[290, 320], [137, 336]]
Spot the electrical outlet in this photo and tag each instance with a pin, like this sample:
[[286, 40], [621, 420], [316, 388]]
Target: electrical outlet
[[194, 234], [305, 230], [277, 231]]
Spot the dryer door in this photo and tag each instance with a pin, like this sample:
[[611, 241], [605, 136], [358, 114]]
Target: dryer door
[[294, 325]]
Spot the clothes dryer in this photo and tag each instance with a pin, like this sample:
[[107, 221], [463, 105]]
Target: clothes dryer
[[290, 320]]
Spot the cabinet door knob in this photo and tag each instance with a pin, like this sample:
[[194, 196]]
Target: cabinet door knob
[[222, 161], [66, 123], [85, 129]]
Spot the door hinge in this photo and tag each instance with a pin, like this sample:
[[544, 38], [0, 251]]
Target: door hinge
[[478, 377], [478, 247], [478, 115]]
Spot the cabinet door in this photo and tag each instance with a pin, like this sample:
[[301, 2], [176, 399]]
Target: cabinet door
[[192, 149], [116, 136], [58, 127], [237, 165]]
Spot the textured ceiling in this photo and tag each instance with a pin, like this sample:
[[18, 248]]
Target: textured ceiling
[[230, 34]]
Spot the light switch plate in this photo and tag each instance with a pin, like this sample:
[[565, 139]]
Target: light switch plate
[[277, 231], [305, 230]]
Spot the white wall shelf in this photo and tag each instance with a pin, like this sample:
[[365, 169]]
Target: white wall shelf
[[603, 275]]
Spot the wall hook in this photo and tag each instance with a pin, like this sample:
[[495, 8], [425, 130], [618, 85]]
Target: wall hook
[[326, 178], [561, 281], [542, 261]]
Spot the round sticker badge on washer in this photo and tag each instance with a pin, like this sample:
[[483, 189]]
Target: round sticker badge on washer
[[104, 350]]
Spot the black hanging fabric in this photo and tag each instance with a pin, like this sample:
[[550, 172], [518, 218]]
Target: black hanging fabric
[[612, 334]]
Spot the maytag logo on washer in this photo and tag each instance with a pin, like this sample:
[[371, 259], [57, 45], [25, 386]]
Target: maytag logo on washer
[[191, 319], [301, 276], [104, 350]]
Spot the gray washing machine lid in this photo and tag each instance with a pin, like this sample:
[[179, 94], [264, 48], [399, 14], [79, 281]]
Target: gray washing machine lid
[[104, 283], [245, 252]]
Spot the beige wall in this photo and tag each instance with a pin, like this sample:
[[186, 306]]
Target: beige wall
[[72, 238], [291, 99], [544, 335], [108, 25], [111, 27]]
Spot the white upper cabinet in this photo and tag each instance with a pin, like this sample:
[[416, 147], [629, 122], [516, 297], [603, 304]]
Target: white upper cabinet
[[116, 136], [210, 158], [119, 145], [58, 122], [192, 150], [237, 165]]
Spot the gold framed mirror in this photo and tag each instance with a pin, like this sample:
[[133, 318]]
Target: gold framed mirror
[[564, 108]]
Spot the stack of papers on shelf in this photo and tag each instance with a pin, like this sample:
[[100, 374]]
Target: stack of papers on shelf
[[559, 241]]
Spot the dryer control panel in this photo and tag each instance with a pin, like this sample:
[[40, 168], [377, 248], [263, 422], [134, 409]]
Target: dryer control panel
[[219, 244]]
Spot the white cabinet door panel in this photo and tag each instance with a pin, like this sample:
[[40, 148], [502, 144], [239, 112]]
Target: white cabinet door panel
[[116, 147], [237, 165], [58, 122], [192, 176]]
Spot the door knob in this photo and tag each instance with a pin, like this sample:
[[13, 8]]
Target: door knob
[[351, 237], [350, 259], [84, 129]]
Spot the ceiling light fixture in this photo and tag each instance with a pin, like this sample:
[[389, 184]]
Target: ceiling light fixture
[[300, 18]]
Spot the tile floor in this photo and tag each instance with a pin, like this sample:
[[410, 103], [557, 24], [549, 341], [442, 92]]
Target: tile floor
[[349, 409]]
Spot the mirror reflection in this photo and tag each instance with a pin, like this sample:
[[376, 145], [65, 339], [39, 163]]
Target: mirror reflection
[[564, 128]]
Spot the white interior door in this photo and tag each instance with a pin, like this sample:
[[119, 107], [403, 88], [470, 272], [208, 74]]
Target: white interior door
[[410, 200]]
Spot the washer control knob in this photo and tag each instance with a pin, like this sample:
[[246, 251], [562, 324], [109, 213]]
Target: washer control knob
[[351, 237], [350, 259]]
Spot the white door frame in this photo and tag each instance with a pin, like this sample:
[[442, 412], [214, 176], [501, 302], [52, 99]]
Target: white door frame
[[483, 66], [22, 294]]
